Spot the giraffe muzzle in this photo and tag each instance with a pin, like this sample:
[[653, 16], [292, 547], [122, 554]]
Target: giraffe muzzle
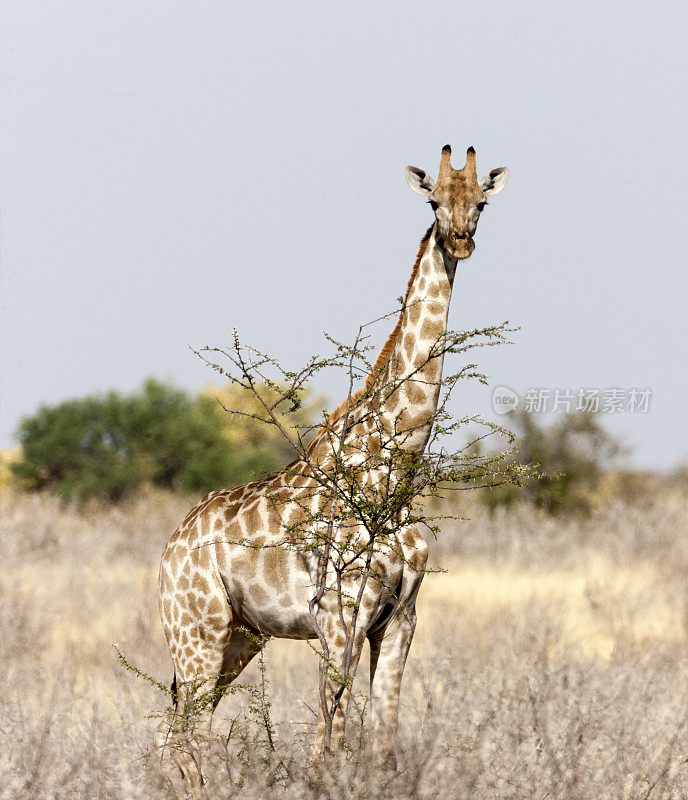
[[459, 246]]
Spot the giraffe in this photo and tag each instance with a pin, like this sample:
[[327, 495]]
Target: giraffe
[[233, 573]]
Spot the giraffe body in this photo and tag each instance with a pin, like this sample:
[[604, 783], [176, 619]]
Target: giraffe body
[[235, 568]]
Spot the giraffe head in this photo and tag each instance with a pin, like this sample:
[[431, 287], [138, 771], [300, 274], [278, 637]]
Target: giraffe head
[[457, 198]]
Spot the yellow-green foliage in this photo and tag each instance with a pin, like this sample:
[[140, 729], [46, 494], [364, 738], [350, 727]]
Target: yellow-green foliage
[[244, 432], [8, 479]]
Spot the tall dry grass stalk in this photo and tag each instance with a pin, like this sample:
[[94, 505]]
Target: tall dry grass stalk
[[550, 660]]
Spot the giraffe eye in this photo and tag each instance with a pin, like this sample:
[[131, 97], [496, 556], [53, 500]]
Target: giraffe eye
[[482, 205], [433, 205]]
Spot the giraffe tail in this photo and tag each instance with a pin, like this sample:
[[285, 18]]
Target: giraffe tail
[[164, 729]]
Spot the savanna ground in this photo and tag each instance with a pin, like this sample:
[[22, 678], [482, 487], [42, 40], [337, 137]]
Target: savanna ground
[[550, 661]]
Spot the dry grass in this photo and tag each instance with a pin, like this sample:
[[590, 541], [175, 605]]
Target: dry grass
[[550, 661]]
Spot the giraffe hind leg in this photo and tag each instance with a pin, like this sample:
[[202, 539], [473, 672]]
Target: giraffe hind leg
[[197, 700], [200, 683], [197, 620]]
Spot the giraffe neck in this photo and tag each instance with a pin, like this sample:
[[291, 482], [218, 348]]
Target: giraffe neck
[[402, 389], [413, 368]]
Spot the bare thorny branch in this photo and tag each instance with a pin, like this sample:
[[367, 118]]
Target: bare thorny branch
[[354, 500], [357, 500]]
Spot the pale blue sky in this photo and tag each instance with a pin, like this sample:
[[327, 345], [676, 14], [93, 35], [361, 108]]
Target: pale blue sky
[[170, 171]]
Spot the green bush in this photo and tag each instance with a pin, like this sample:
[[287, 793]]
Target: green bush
[[571, 455], [109, 445]]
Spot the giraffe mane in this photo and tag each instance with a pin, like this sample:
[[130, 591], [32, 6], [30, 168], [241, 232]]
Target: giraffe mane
[[387, 349]]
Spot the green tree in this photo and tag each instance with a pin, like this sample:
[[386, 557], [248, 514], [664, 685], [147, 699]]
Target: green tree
[[109, 445]]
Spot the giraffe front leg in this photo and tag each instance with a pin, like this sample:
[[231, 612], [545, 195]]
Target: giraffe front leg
[[336, 676], [388, 651]]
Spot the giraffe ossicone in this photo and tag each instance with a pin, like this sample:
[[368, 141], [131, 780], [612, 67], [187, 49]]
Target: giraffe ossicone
[[241, 567]]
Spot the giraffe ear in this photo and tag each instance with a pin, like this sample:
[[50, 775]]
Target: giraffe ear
[[419, 181], [494, 181]]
